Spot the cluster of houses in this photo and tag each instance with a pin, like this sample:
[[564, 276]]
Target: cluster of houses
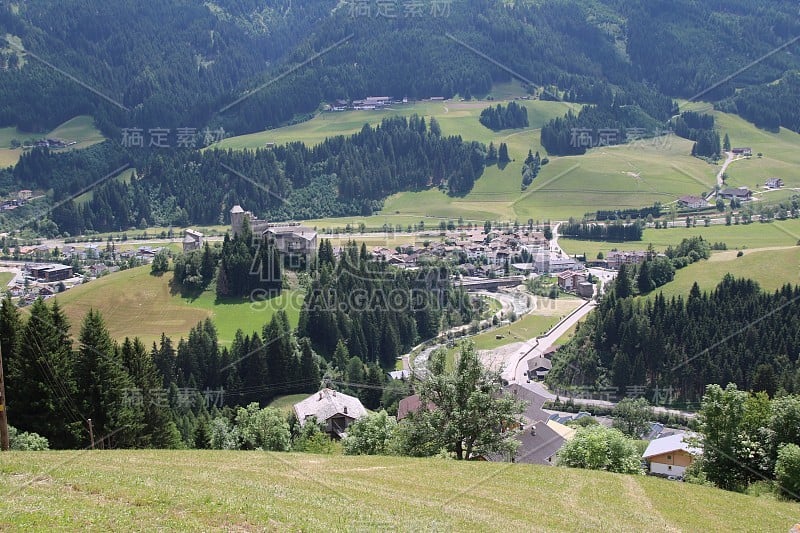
[[42, 279], [367, 104], [742, 194], [541, 434], [485, 255], [16, 200], [53, 143]]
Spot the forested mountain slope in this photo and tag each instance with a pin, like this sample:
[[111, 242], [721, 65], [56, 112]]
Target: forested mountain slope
[[179, 62]]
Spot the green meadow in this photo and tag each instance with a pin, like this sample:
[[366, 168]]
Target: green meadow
[[80, 128], [742, 236], [770, 268], [633, 175], [536, 323], [136, 304], [254, 491]]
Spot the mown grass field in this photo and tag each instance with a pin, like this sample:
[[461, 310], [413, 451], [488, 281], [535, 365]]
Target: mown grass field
[[254, 491], [539, 321], [5, 278], [755, 235], [135, 303], [285, 403], [770, 268]]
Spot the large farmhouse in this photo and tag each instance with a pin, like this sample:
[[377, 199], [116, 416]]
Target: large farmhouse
[[740, 193]]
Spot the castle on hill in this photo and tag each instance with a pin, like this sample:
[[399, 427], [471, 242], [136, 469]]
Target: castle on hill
[[297, 243]]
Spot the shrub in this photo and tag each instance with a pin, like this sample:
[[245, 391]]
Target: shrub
[[787, 470], [27, 442]]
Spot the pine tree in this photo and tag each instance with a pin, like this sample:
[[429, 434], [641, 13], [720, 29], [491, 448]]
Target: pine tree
[[158, 431], [726, 144], [10, 332], [309, 369], [491, 154], [502, 155], [341, 355], [207, 264], [374, 390], [41, 391], [108, 394], [644, 281], [622, 286]]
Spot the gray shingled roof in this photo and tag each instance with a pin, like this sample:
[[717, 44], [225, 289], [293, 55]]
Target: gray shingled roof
[[328, 403]]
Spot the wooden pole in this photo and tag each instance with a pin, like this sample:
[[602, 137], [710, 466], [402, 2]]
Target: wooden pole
[[91, 432], [4, 439]]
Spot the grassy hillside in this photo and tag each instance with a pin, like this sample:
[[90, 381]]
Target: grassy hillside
[[755, 235], [134, 303], [203, 490], [770, 268], [632, 175], [80, 128]]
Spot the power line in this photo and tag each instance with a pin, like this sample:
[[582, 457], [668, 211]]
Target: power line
[[4, 439]]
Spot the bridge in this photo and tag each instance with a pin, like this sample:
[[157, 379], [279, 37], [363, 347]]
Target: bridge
[[491, 284]]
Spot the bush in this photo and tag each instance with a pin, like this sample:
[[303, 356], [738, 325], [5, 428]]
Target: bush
[[601, 448], [787, 470], [27, 442], [370, 435]]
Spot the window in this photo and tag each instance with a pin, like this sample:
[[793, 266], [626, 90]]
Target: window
[[669, 458]]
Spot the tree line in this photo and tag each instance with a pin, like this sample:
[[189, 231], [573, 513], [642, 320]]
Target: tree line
[[616, 231], [601, 125], [687, 343], [699, 127], [212, 58], [341, 176]]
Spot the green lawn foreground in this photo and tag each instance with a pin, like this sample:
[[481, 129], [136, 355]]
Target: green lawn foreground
[[234, 490]]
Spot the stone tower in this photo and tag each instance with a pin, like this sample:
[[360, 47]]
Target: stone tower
[[237, 219]]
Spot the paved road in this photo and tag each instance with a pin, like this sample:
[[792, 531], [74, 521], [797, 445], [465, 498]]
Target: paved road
[[516, 366], [730, 157]]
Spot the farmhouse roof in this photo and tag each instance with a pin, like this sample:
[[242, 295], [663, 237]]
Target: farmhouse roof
[[411, 404], [741, 191], [237, 209], [328, 403], [539, 443]]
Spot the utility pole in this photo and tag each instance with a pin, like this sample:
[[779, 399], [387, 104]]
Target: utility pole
[[4, 440], [91, 432]]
